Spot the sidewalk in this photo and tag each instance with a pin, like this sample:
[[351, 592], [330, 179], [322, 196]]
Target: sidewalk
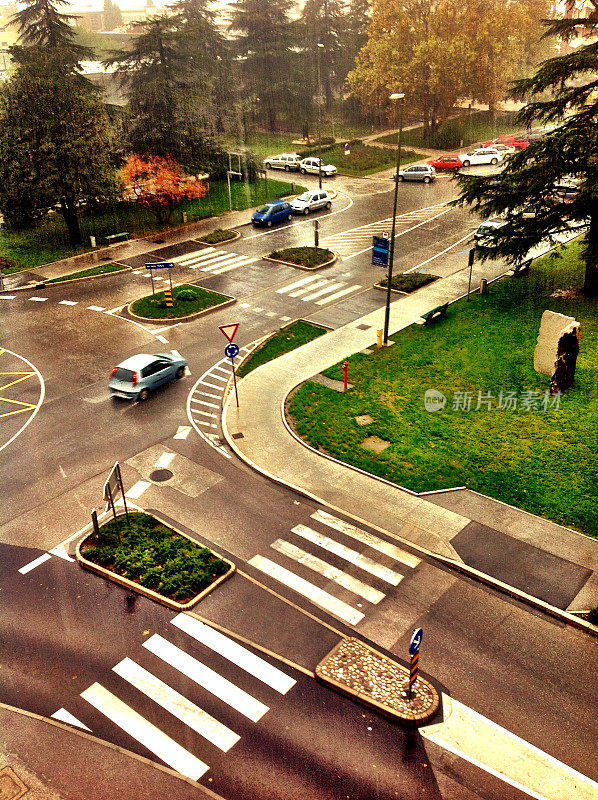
[[257, 432]]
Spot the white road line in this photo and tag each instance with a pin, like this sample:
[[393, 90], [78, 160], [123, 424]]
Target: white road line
[[114, 310], [205, 250], [217, 377], [68, 302], [205, 413], [304, 289], [137, 489], [7, 296], [162, 339], [230, 261], [95, 308], [35, 563], [214, 683], [328, 571], [235, 653], [183, 432], [366, 538], [164, 461], [226, 370], [207, 394], [239, 262], [212, 385], [352, 556], [296, 284], [330, 288], [143, 731], [203, 422], [318, 596], [244, 305], [176, 704], [38, 299], [335, 296], [205, 403], [62, 715], [285, 319], [506, 756]]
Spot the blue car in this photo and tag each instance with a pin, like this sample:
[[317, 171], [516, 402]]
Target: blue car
[[139, 375], [269, 213]]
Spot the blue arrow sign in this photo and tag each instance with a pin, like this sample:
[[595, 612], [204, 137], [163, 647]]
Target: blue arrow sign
[[416, 641], [160, 265], [231, 350]]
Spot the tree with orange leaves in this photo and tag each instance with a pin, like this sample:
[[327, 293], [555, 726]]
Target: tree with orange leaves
[[159, 184]]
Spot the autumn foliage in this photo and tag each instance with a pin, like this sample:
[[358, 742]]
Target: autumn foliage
[[159, 184]]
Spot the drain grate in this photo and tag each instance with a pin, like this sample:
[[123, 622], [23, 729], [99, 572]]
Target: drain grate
[[160, 475], [237, 436], [363, 327]]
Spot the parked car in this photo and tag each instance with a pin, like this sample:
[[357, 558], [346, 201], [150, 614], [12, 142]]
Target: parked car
[[518, 141], [416, 172], [272, 212], [483, 155], [505, 149], [483, 236], [311, 201], [312, 165], [137, 376], [565, 191], [286, 161], [451, 161]]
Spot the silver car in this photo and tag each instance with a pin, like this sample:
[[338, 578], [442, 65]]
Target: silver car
[[417, 172], [286, 161], [311, 201], [137, 376], [312, 165]]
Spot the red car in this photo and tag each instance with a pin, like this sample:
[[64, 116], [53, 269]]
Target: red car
[[446, 162], [518, 142]]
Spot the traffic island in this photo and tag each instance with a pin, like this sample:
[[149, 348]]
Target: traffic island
[[358, 671], [185, 303], [309, 258], [143, 554], [219, 236]]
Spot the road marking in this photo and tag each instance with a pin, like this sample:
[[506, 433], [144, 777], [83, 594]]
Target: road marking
[[164, 461], [330, 288], [244, 305], [176, 704], [143, 731], [318, 596], [205, 413], [62, 715], [207, 394], [205, 677], [68, 302], [226, 369], [7, 296], [95, 308], [113, 311], [205, 252], [60, 551], [366, 538], [235, 653], [296, 284], [328, 571], [218, 377], [183, 432], [309, 287], [35, 563], [162, 339], [212, 385], [506, 756], [137, 489], [285, 319], [335, 296], [346, 553], [204, 422], [205, 403], [38, 299]]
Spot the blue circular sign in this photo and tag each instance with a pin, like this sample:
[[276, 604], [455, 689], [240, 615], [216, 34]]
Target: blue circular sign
[[416, 641], [231, 350]]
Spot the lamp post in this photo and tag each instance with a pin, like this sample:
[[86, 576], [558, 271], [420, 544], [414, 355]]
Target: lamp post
[[320, 46], [400, 98]]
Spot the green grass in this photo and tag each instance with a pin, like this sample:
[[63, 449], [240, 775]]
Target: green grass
[[477, 127], [154, 306], [543, 461], [303, 256], [219, 235], [363, 159], [48, 241], [102, 269], [287, 339], [409, 282], [154, 556]]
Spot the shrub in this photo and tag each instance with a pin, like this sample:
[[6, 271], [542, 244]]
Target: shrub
[[186, 294], [409, 282], [593, 615]]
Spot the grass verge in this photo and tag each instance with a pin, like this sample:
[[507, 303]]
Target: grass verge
[[462, 130], [409, 282], [363, 159], [102, 269], [155, 557], [219, 235], [287, 339], [187, 299], [303, 256], [536, 456]]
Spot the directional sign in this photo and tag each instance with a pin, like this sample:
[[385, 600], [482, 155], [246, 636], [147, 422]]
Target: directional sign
[[231, 350], [160, 265], [380, 252], [416, 641], [229, 330], [112, 484]]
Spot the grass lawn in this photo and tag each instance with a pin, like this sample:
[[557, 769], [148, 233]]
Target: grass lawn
[[304, 256], [101, 269], [477, 127], [540, 460], [48, 241], [187, 299], [287, 339], [363, 159], [154, 556]]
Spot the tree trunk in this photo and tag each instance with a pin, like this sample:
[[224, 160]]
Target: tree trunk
[[71, 218], [590, 286]]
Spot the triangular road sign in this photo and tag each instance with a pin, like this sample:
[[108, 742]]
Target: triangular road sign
[[229, 330]]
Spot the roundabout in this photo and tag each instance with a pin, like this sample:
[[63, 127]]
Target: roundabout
[[22, 392]]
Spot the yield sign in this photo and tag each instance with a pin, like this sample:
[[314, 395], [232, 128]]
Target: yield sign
[[229, 330]]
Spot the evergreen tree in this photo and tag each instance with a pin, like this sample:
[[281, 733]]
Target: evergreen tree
[[41, 24], [324, 22], [113, 17], [564, 93]]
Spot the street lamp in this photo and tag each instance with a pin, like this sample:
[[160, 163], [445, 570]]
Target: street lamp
[[400, 98], [320, 46]]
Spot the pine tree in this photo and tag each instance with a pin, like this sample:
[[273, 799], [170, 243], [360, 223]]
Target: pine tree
[[41, 24]]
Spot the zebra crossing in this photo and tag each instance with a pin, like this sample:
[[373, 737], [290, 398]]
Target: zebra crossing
[[186, 667], [319, 290], [366, 574], [214, 261], [359, 240]]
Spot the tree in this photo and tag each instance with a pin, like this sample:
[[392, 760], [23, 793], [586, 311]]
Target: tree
[[113, 17], [159, 184], [565, 94], [41, 24], [324, 22]]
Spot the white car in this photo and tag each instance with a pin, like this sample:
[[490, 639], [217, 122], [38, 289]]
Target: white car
[[483, 155], [505, 149], [286, 161], [310, 201], [312, 165], [483, 237]]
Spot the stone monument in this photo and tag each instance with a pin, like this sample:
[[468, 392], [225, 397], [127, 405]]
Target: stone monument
[[556, 352]]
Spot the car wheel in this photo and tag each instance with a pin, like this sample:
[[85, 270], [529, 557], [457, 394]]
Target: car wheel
[[427, 179], [268, 165], [329, 205], [179, 373], [269, 223], [401, 178], [494, 161], [287, 168], [143, 395], [306, 211], [466, 163], [303, 170]]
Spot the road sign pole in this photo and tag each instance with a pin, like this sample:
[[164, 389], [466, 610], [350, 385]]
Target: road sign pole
[[152, 277], [122, 491], [232, 361], [345, 373], [412, 673], [96, 527], [414, 646], [113, 512], [471, 260]]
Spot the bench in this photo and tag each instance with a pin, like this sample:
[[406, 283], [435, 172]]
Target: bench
[[439, 311], [522, 266], [114, 237]]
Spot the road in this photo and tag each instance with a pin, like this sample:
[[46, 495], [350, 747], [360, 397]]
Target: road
[[66, 631]]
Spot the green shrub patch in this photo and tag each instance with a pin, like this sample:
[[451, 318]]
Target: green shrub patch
[[303, 256], [409, 282], [154, 556], [219, 235], [287, 339], [102, 269], [187, 299]]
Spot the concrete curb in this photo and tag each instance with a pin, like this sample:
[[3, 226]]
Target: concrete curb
[[188, 318], [50, 284]]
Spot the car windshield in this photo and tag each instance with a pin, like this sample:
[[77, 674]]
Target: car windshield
[[122, 374], [263, 209], [305, 196]]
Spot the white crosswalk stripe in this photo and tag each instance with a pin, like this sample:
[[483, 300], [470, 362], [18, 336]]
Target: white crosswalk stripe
[[325, 288], [145, 732], [209, 259], [205, 677]]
